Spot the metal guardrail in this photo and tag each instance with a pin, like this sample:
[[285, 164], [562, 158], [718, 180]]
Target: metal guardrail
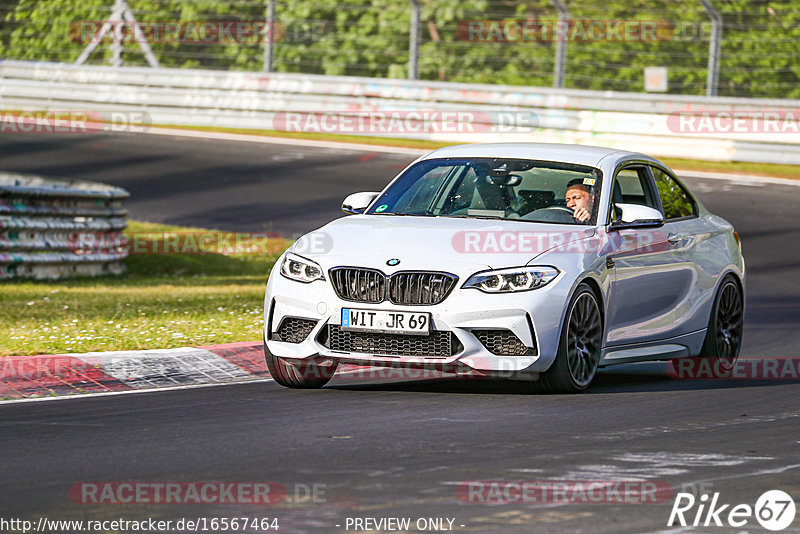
[[633, 121], [56, 228]]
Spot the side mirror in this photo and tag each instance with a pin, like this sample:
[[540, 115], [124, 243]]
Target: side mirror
[[358, 202], [637, 216]]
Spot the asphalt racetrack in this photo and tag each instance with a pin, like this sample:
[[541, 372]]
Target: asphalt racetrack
[[376, 449]]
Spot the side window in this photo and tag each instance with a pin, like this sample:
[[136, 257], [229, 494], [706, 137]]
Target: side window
[[633, 187], [676, 201]]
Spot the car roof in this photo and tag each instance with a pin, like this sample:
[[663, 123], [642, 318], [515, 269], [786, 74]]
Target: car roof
[[563, 153]]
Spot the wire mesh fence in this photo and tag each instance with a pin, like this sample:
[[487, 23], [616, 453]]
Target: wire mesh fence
[[605, 45]]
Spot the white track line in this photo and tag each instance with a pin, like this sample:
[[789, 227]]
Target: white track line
[[737, 177], [287, 141], [127, 392], [419, 152]]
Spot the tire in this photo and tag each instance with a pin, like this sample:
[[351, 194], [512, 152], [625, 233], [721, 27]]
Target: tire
[[579, 348], [725, 325], [307, 374]]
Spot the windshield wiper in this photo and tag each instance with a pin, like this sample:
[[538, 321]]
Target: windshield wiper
[[405, 214], [492, 217]]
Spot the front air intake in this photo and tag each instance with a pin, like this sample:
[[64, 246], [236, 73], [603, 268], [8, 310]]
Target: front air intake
[[294, 329]]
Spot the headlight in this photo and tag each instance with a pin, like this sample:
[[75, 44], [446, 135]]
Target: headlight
[[514, 279], [300, 269]]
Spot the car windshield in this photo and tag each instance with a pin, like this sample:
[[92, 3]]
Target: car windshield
[[496, 188]]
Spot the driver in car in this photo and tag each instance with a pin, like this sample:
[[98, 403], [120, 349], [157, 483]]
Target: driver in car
[[579, 199]]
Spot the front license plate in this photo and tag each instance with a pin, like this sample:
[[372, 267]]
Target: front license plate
[[388, 322]]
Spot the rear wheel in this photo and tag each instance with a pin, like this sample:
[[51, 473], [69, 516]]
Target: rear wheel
[[579, 349], [724, 335], [305, 374]]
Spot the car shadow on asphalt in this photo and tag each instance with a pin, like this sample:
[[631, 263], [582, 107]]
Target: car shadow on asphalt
[[627, 378]]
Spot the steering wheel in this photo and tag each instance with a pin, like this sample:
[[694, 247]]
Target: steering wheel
[[551, 214]]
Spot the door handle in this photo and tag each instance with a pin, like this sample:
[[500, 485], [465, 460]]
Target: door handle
[[674, 239]]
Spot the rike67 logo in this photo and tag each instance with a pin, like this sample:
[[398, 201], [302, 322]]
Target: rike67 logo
[[774, 510]]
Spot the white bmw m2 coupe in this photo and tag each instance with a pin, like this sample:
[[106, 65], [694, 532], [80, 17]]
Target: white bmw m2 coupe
[[535, 262]]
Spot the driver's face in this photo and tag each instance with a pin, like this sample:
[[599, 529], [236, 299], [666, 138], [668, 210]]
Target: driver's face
[[577, 198]]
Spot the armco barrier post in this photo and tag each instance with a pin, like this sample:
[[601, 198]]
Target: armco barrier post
[[269, 42], [414, 37], [560, 68], [714, 47]]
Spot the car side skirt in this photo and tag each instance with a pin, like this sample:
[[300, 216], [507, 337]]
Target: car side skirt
[[664, 349]]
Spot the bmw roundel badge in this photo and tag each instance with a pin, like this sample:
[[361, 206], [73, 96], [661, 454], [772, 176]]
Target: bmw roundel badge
[[393, 262]]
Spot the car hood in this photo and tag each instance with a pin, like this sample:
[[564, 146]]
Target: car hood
[[456, 245]]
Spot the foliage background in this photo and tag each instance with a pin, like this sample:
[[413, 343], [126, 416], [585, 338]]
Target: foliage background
[[759, 57]]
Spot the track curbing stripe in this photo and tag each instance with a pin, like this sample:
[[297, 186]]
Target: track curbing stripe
[[49, 376]]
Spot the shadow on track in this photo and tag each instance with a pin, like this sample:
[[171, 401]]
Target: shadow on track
[[628, 378]]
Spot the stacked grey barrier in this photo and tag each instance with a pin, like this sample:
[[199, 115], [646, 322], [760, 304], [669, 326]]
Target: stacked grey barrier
[[57, 228]]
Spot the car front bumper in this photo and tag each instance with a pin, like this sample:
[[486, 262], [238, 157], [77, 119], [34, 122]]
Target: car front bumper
[[534, 317]]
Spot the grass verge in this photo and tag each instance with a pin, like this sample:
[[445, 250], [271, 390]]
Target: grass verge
[[733, 167], [163, 301]]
